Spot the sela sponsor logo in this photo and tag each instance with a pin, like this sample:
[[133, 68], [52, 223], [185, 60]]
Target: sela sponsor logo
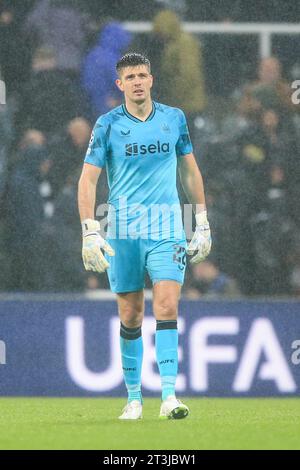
[[2, 353], [136, 149], [248, 359]]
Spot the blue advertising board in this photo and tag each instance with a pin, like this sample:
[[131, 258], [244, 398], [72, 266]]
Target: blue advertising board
[[226, 349]]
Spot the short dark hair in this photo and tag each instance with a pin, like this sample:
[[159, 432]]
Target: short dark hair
[[132, 59]]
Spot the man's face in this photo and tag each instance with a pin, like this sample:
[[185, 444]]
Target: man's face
[[136, 83]]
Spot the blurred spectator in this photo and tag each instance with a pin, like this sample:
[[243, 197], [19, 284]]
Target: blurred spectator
[[19, 7], [99, 68], [15, 51], [49, 98], [270, 141], [28, 238], [209, 282], [273, 231], [269, 91], [219, 200], [67, 151], [265, 147], [179, 76], [281, 144], [58, 24], [69, 275]]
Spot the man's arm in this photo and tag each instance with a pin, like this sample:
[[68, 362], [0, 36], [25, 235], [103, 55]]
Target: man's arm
[[192, 183], [93, 258], [87, 191]]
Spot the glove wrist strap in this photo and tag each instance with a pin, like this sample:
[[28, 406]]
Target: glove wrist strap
[[90, 227], [201, 218]]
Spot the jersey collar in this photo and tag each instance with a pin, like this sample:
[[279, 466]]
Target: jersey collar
[[134, 118]]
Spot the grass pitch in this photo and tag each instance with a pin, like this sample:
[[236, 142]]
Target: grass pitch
[[91, 423]]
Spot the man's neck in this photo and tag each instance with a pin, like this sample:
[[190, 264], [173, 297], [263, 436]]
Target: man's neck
[[139, 110]]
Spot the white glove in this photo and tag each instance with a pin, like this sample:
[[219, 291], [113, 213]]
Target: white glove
[[201, 240], [93, 258]]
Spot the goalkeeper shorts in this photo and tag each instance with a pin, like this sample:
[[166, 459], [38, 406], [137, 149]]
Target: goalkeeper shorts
[[163, 260]]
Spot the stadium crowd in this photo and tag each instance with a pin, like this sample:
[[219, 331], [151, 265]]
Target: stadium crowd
[[57, 61]]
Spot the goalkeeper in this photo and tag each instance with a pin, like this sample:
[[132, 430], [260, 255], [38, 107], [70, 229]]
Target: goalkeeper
[[141, 143]]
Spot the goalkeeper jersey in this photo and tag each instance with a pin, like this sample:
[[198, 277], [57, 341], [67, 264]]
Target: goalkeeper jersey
[[141, 160]]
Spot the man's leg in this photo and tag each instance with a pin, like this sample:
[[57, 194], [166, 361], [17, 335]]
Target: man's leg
[[131, 312], [166, 295], [165, 305]]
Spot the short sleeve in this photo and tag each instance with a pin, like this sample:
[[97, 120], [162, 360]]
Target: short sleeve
[[97, 150], [183, 145]]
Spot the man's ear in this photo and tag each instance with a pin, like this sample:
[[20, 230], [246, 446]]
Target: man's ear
[[119, 84], [151, 81]]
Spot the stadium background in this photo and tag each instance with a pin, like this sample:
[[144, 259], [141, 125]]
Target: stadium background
[[240, 310]]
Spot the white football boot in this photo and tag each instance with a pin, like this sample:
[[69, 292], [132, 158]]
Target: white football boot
[[133, 410], [171, 408]]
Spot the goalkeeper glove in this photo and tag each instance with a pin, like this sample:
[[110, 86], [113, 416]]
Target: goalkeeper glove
[[92, 242], [201, 240]]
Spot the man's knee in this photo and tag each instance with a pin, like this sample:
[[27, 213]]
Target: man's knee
[[131, 317], [165, 309], [131, 311]]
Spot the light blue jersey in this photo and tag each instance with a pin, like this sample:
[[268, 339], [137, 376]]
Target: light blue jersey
[[141, 160]]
